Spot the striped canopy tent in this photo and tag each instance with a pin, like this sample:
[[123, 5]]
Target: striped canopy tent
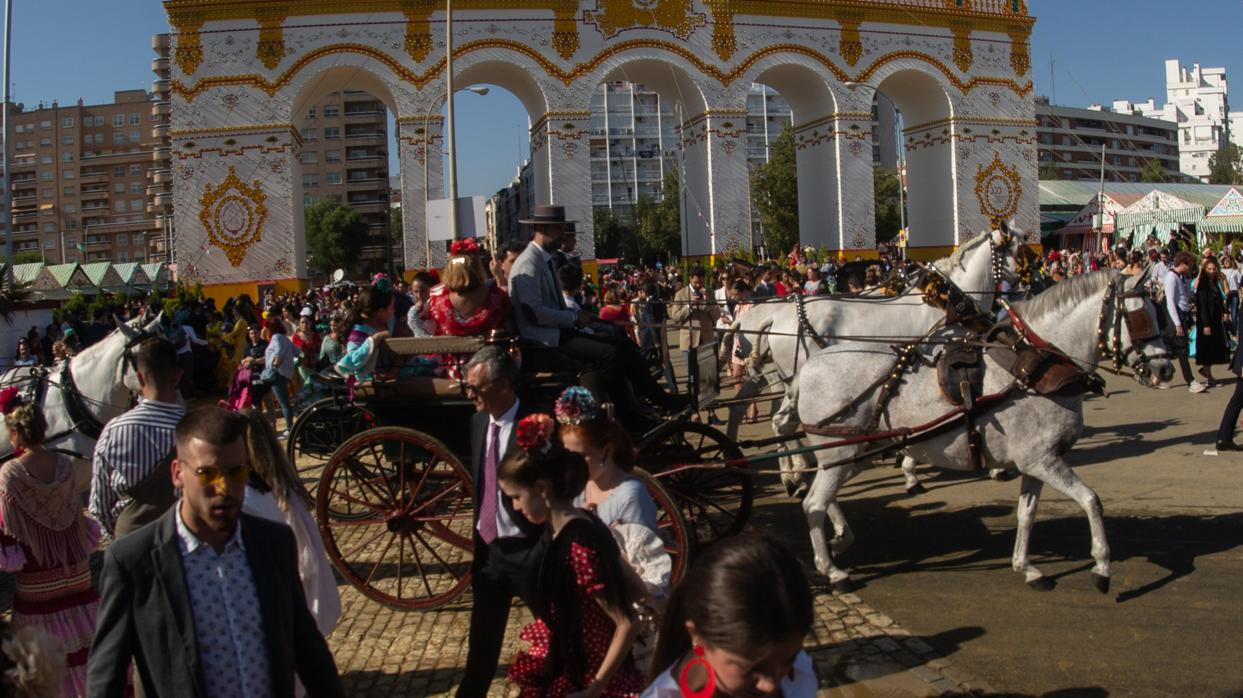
[[104, 276], [133, 275], [1081, 231], [43, 284], [158, 276], [1226, 216], [72, 279], [1157, 213]]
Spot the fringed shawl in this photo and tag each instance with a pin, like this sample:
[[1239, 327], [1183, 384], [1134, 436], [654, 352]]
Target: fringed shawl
[[46, 518]]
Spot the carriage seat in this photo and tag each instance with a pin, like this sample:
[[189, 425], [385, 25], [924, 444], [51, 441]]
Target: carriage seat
[[409, 388], [423, 346]]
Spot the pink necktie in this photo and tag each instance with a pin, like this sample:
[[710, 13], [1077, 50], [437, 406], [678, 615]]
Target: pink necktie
[[487, 508]]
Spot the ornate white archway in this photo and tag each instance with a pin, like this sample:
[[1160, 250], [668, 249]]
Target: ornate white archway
[[958, 69]]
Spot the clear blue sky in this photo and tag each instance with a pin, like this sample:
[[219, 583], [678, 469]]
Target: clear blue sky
[[1102, 50]]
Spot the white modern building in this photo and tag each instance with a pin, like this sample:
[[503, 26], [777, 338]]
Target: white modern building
[[1197, 100]]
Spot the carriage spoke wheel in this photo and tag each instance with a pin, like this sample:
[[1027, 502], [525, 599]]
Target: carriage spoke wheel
[[669, 525], [714, 503], [317, 433], [406, 539]]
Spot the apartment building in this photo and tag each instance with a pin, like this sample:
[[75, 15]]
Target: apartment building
[[80, 178], [345, 159], [1070, 139]]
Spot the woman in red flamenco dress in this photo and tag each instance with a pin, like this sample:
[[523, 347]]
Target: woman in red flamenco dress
[[465, 305]]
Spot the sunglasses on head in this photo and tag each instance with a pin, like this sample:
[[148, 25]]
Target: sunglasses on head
[[213, 476]]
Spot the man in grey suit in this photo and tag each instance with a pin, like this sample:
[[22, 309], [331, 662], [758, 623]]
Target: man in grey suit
[[609, 368], [206, 601]]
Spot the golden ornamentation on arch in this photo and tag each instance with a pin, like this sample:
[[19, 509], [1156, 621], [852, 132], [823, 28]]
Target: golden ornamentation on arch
[[998, 188], [612, 17], [851, 48], [233, 214], [1020, 52], [189, 52], [271, 48], [963, 55]]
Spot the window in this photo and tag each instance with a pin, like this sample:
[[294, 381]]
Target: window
[[332, 132], [119, 187], [118, 120], [69, 208], [122, 255], [333, 178], [135, 188], [71, 243], [135, 136], [137, 205], [310, 134], [99, 121], [45, 160], [45, 125], [118, 171], [49, 227], [69, 191], [45, 142], [310, 180], [49, 193], [118, 138], [20, 128], [331, 111], [310, 157], [332, 156], [66, 122], [49, 244], [120, 206], [66, 139], [310, 113], [88, 139], [122, 239], [46, 176], [68, 174], [66, 157], [135, 119], [135, 170]]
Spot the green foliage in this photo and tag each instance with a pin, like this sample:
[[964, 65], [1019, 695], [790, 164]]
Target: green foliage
[[1226, 165], [395, 231], [653, 232], [774, 187], [335, 234], [1049, 171], [27, 257], [888, 202], [1153, 171], [612, 235]]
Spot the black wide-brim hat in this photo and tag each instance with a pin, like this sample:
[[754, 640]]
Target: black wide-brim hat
[[546, 214]]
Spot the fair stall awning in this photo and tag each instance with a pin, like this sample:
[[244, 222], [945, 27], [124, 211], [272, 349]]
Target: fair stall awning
[[1226, 216]]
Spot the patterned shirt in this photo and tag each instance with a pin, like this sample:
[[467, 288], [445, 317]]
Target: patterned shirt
[[227, 623], [127, 451]]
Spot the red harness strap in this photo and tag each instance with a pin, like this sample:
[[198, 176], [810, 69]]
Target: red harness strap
[[1028, 333]]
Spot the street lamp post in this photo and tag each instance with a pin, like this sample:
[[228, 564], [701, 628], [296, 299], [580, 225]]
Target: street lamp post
[[427, 153], [852, 86], [6, 217]]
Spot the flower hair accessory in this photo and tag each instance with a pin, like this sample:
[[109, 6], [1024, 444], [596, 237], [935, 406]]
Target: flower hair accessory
[[535, 433], [10, 398], [576, 407], [464, 247], [381, 282]]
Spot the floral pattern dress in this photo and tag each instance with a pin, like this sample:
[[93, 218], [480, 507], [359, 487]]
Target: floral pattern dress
[[582, 563]]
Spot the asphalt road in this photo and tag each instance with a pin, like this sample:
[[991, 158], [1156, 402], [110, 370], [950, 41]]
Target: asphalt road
[[939, 563]]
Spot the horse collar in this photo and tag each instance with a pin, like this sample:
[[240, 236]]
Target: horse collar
[[82, 418]]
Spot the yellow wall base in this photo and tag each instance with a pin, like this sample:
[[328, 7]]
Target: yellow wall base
[[929, 254], [223, 292]]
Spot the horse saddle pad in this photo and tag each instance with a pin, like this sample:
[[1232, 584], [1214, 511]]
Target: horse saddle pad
[[1046, 372], [960, 373]]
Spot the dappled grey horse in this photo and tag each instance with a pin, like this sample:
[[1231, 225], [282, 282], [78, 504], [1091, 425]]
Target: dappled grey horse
[[1083, 317]]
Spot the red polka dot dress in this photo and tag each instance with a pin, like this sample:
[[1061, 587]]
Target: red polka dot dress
[[533, 670]]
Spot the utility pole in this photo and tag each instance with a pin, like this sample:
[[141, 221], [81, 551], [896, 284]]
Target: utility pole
[[452, 124], [6, 216]]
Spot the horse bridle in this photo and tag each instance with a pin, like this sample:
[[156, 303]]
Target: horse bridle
[[1139, 326]]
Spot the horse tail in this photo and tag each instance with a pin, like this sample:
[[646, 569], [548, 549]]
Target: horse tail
[[759, 345], [726, 351]]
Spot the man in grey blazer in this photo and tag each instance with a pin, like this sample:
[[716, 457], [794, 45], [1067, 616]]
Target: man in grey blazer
[[552, 341], [206, 601]]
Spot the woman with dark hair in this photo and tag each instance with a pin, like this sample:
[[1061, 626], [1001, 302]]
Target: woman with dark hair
[[736, 625], [368, 324], [580, 644], [1211, 314], [278, 369]]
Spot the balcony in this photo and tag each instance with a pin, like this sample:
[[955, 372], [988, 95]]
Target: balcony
[[163, 199], [362, 158], [159, 131], [22, 164], [161, 43], [162, 176], [160, 87], [364, 114], [98, 241], [161, 154], [84, 174], [364, 135], [368, 204], [161, 108], [160, 66]]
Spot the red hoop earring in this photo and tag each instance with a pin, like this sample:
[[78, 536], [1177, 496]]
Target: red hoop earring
[[683, 680]]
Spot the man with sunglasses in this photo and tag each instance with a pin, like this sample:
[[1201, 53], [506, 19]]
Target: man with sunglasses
[[508, 548], [207, 601]]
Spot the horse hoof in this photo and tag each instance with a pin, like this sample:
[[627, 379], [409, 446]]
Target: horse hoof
[[1042, 584], [1101, 583], [843, 586], [915, 489]]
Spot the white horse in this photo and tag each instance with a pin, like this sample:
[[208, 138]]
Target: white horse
[[1022, 430], [770, 335], [79, 396]]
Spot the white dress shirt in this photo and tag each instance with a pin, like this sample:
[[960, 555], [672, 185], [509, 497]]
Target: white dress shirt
[[505, 526]]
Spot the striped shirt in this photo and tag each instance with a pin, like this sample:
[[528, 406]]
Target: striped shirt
[[127, 451]]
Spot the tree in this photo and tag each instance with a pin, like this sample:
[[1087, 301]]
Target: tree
[[1049, 171], [394, 224], [1153, 171], [885, 184], [611, 234], [335, 234], [1225, 166], [774, 186], [27, 257]]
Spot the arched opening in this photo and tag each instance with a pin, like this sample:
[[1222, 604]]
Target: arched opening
[[925, 158], [649, 194], [345, 117]]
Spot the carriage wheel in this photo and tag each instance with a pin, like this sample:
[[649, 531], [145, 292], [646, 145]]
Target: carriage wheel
[[669, 525], [317, 433], [714, 503], [408, 540]]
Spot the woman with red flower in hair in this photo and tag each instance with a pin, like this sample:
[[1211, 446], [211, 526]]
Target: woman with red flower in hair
[[581, 642], [465, 305]]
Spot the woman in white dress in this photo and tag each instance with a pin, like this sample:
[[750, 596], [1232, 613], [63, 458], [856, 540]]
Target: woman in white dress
[[736, 624], [275, 493]]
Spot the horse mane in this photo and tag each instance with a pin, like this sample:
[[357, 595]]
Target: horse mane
[[1067, 294], [946, 264]]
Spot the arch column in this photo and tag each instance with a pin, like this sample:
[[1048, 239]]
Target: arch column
[[856, 227], [565, 145], [715, 183], [419, 146], [819, 223], [243, 225]]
